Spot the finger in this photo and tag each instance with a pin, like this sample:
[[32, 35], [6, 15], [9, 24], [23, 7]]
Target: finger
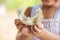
[[32, 31], [39, 26], [17, 21], [29, 27], [37, 29], [34, 28]]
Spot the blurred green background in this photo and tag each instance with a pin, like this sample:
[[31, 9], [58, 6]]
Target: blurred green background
[[13, 4]]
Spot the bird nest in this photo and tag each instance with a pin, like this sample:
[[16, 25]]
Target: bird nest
[[31, 20]]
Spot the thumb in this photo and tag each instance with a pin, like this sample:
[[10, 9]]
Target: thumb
[[40, 26]]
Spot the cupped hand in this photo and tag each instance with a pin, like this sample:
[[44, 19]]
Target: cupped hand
[[37, 30], [24, 29]]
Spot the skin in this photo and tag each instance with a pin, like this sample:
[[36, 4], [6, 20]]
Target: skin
[[48, 8]]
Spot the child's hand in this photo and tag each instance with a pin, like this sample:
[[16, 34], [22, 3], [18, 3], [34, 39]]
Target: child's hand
[[37, 30], [22, 27]]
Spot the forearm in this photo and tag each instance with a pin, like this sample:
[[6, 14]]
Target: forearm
[[46, 35], [23, 37]]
